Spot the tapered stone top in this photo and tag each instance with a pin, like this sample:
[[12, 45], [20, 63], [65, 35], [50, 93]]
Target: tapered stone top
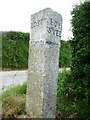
[[46, 25]]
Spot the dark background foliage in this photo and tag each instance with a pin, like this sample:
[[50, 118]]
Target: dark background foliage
[[15, 46], [65, 55]]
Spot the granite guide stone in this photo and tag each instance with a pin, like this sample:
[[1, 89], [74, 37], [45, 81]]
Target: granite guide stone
[[44, 46]]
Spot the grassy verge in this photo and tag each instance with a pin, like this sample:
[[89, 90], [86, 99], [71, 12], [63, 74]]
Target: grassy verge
[[67, 104], [14, 101]]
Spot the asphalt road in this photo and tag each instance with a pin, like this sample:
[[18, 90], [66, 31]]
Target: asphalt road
[[12, 78]]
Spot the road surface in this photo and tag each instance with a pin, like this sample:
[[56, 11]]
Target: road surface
[[12, 78]]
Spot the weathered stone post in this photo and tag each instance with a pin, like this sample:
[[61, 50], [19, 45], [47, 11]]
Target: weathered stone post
[[43, 64]]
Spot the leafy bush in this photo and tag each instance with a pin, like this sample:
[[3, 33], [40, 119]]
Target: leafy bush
[[65, 95], [68, 104], [81, 57]]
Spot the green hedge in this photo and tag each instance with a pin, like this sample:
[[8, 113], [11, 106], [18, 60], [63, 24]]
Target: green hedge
[[15, 51]]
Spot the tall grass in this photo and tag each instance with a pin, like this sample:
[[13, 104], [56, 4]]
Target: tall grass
[[14, 101]]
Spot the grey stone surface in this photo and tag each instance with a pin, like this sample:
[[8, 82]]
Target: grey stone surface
[[46, 27]]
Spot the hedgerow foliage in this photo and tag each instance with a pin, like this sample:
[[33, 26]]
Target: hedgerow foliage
[[81, 57], [65, 55], [15, 50], [73, 86], [15, 46]]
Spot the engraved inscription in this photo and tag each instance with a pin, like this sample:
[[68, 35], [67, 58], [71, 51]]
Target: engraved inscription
[[37, 23], [54, 27], [54, 31], [55, 23]]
